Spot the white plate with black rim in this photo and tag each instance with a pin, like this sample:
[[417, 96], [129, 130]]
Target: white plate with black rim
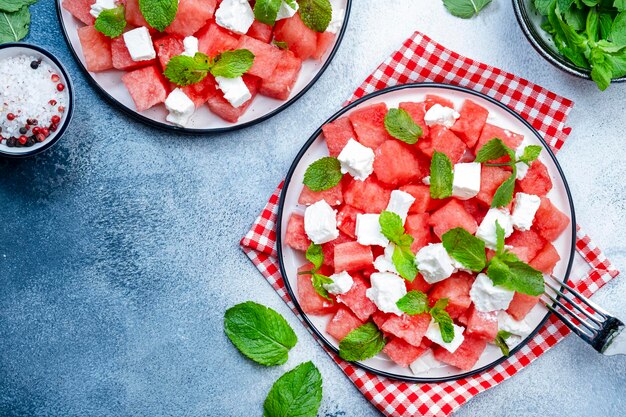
[[109, 84], [290, 260]]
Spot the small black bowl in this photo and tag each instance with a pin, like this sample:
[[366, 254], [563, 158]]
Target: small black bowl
[[13, 49]]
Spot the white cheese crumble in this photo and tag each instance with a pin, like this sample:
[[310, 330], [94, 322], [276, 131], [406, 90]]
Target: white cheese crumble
[[440, 115], [356, 160], [235, 90], [190, 43], [180, 108], [384, 263], [386, 290], [320, 223], [235, 15], [139, 44], [434, 335], [425, 363], [368, 230], [400, 203], [524, 210], [522, 168], [342, 283], [336, 20], [100, 5], [285, 11], [434, 263], [487, 229], [466, 182], [488, 297], [509, 324]]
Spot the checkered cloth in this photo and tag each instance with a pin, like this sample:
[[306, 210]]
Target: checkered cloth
[[421, 59]]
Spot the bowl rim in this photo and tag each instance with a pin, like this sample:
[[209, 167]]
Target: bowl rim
[[281, 207], [69, 111], [557, 60], [192, 131]]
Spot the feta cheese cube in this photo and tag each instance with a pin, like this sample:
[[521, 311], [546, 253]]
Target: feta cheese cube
[[235, 90], [368, 230], [342, 282], [386, 290], [400, 203], [487, 229], [336, 20], [180, 108], [466, 182], [190, 44], [434, 263], [433, 333], [522, 168], [356, 160], [285, 11], [384, 263], [524, 210], [488, 297], [440, 115], [425, 363], [101, 5], [509, 324], [235, 15], [320, 223], [139, 44]]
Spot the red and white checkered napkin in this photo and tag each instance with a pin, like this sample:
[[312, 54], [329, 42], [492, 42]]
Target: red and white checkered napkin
[[421, 59]]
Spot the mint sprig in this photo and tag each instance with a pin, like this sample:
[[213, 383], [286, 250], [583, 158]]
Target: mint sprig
[[315, 255], [159, 13], [416, 302], [392, 227], [316, 14], [413, 303], [111, 22], [362, 343], [465, 248], [441, 176], [401, 126], [266, 11], [323, 174], [500, 341], [465, 9], [11, 6], [442, 318], [185, 70], [296, 393], [14, 25]]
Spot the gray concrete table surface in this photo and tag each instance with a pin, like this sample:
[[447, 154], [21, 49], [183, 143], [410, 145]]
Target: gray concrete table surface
[[119, 248]]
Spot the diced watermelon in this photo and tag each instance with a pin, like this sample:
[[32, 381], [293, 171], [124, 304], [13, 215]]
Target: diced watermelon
[[356, 300], [80, 9], [537, 180], [328, 249], [456, 289], [266, 56], [410, 328], [490, 179], [417, 225], [379, 318], [260, 31], [324, 41], [443, 140], [333, 196], [310, 301], [402, 352], [521, 305], [133, 14], [463, 319], [450, 216], [477, 210], [521, 252], [546, 259], [342, 323], [280, 84], [369, 124], [417, 111], [396, 163], [191, 16], [200, 92], [213, 39], [301, 40], [529, 240], [218, 104], [296, 237], [146, 86], [346, 220], [550, 222], [469, 126], [432, 99], [510, 139], [369, 195], [351, 256], [418, 284], [423, 202], [337, 134], [121, 57], [167, 47], [482, 325], [96, 49], [466, 356]]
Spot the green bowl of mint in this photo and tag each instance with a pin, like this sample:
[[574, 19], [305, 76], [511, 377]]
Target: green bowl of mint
[[586, 38]]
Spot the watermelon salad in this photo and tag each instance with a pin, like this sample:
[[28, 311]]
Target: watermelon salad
[[427, 231], [118, 35]]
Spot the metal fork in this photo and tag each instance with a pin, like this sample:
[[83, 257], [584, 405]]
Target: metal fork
[[588, 320]]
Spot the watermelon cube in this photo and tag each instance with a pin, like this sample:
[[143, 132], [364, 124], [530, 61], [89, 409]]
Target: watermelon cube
[[280, 84], [450, 216], [356, 300], [529, 240], [296, 237], [80, 9], [337, 134], [396, 163], [218, 104], [417, 111], [546, 259], [379, 318], [328, 249], [432, 99], [463, 319], [537, 180], [146, 86], [200, 92], [266, 56], [403, 353], [457, 290], [342, 323], [191, 16], [418, 284], [346, 220], [550, 222], [443, 140], [482, 325], [510, 139], [133, 14], [418, 226], [466, 356], [369, 195], [121, 57], [301, 40], [96, 49], [166, 47], [369, 124], [470, 125], [333, 196], [423, 202], [521, 305], [213, 39], [477, 210], [490, 179], [409, 328], [521, 252], [260, 31], [351, 256], [324, 41], [310, 301]]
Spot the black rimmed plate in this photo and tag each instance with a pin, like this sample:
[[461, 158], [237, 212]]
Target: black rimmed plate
[[109, 84], [315, 148]]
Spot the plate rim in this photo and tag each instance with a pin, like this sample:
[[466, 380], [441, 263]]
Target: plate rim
[[281, 207], [192, 131]]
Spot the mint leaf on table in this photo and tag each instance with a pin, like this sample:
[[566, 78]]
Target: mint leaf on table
[[401, 126], [413, 303], [465, 8], [232, 64], [296, 393], [266, 11], [185, 70], [111, 22], [14, 26], [443, 319], [362, 343], [441, 176], [500, 341], [11, 6], [323, 174], [159, 13], [392, 227], [465, 248], [260, 333], [316, 14]]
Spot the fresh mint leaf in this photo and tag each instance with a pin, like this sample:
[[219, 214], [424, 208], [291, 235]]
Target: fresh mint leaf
[[504, 193], [316, 14], [606, 25], [232, 64], [494, 149], [185, 70], [14, 26], [11, 6], [443, 319], [281, 44], [318, 281], [159, 13], [530, 154], [465, 9], [441, 176], [266, 11], [323, 174], [499, 238], [500, 341], [620, 5], [618, 29], [260, 333], [315, 255], [564, 5], [362, 343], [401, 126], [592, 24], [404, 261], [601, 69], [296, 393], [543, 6], [525, 279], [498, 271], [465, 248], [413, 303], [111, 22], [391, 226]]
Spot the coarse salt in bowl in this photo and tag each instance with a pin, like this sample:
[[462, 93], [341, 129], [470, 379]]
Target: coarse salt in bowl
[[36, 100]]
